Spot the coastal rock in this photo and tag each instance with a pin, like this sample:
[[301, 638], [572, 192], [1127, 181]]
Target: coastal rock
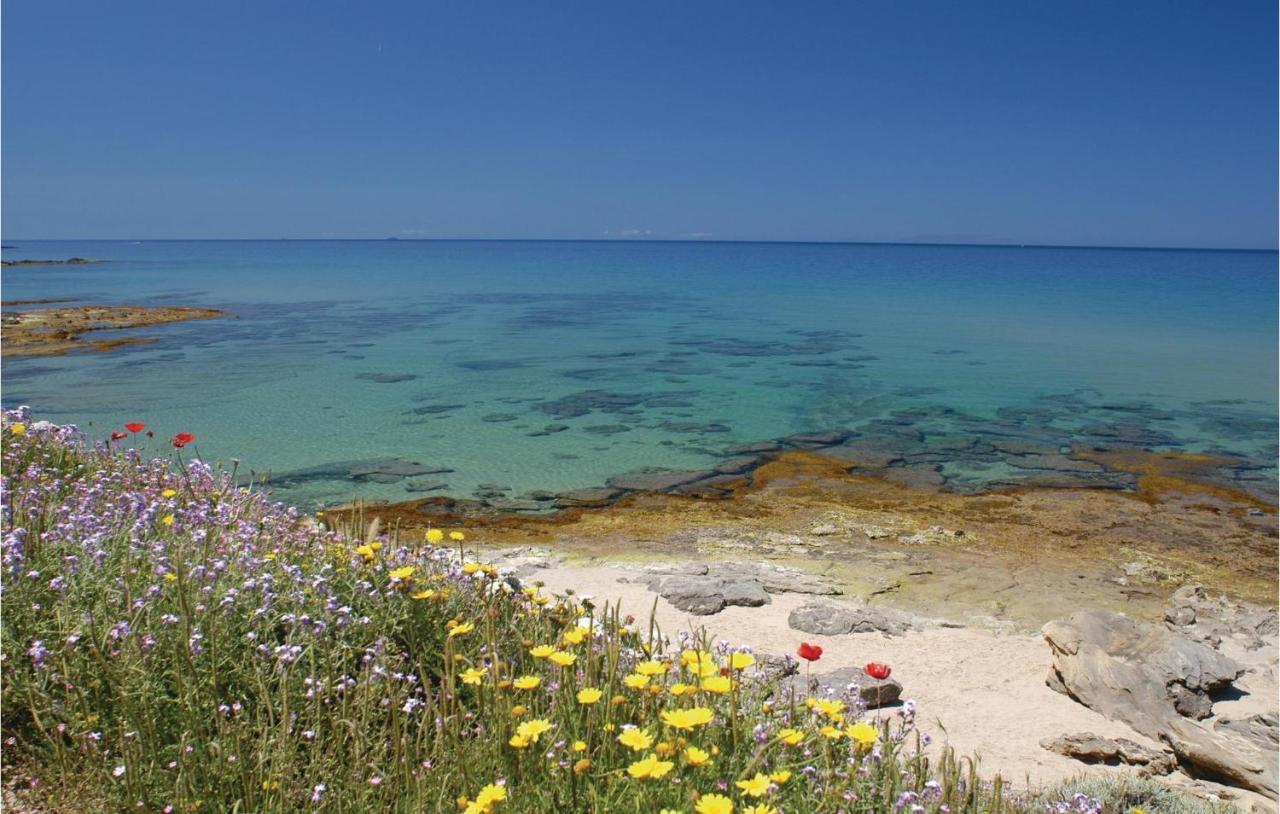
[[773, 579], [704, 595], [655, 480], [815, 440], [1087, 747], [1131, 671], [736, 466], [425, 485], [836, 620], [873, 693], [1213, 620], [587, 498], [867, 452], [1158, 681], [780, 579], [523, 562], [716, 486]]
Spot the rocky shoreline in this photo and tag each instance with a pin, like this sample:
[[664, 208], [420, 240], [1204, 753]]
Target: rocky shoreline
[[58, 331], [1024, 552]]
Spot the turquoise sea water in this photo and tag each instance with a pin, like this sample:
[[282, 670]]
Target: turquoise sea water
[[558, 365]]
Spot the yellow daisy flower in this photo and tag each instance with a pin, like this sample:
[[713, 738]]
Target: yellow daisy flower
[[533, 729], [757, 786], [687, 719], [791, 737], [650, 767], [635, 739], [864, 733], [696, 757], [714, 804], [562, 658]]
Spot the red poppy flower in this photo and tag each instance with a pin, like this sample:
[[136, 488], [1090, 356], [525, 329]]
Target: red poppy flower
[[182, 439], [116, 436], [150, 434], [134, 426], [877, 670], [809, 652]]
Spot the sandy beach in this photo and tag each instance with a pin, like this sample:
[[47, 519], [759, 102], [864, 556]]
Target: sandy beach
[[978, 690]]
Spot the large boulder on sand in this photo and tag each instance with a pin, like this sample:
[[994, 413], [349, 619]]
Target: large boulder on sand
[[873, 692], [1160, 682]]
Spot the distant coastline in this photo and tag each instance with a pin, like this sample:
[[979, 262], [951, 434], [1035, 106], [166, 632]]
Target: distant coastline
[[671, 240], [71, 261]]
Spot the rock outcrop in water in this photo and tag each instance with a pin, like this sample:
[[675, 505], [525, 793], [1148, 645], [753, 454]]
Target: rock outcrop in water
[[58, 331]]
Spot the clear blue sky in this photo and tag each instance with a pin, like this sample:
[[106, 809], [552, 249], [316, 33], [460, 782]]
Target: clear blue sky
[[1102, 123]]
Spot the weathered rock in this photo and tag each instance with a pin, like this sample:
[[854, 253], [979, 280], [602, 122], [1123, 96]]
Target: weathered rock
[[425, 485], [1151, 678], [834, 620], [779, 579], [1224, 756], [705, 595], [588, 498], [824, 530], [775, 579], [1113, 664], [874, 692], [649, 480], [814, 440], [1180, 617], [735, 466], [714, 486], [1213, 619], [523, 562], [1090, 748]]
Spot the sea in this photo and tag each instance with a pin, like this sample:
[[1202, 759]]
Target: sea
[[513, 371]]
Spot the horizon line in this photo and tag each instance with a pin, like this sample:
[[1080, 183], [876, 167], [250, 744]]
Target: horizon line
[[398, 239]]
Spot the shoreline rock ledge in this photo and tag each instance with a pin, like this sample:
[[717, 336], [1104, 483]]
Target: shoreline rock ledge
[[1162, 684]]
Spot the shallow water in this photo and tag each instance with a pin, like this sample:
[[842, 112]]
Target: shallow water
[[556, 365]]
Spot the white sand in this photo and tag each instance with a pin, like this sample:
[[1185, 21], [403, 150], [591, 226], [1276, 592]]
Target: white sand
[[987, 689]]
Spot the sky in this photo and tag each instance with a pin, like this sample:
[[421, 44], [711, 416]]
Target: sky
[[1067, 123]]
